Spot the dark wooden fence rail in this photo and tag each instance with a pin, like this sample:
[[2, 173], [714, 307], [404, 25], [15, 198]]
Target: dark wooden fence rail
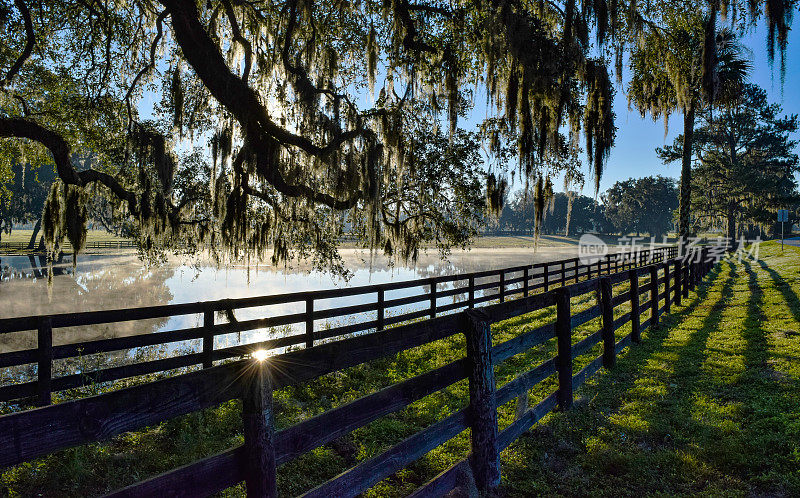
[[492, 284], [94, 244], [33, 433]]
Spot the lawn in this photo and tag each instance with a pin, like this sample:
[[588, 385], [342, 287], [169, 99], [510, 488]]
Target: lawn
[[708, 403], [24, 235]]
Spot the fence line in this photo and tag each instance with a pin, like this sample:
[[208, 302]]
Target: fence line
[[492, 284], [30, 434], [96, 244]]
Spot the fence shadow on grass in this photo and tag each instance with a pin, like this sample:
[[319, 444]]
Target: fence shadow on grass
[[789, 295], [559, 442], [769, 411]]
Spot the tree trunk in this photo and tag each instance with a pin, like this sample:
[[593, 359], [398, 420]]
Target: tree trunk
[[32, 241], [686, 173], [731, 222]]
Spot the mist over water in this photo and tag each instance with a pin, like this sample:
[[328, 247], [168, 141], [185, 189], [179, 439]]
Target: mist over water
[[103, 282]]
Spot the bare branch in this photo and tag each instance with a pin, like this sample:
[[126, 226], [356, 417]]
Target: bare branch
[[29, 43], [237, 37], [60, 150]]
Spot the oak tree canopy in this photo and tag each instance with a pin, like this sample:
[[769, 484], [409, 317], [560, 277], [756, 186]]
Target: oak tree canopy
[[275, 125]]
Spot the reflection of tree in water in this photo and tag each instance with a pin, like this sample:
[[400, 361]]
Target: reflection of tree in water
[[109, 283]]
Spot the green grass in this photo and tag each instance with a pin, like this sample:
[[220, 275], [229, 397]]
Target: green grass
[[24, 235], [708, 403]]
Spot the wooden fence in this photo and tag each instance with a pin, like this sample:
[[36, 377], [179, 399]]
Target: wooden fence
[[427, 295], [29, 434], [95, 244]]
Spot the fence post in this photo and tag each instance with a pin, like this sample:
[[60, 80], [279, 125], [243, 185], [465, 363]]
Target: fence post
[[654, 295], [525, 277], [310, 322], [563, 273], [668, 300], [685, 279], [44, 372], [564, 342], [678, 271], [482, 404], [471, 291], [502, 286], [259, 432], [381, 309], [577, 266], [607, 309], [433, 298], [546, 277], [208, 337], [636, 329]]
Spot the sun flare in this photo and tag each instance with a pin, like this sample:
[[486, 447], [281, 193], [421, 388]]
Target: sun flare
[[260, 354]]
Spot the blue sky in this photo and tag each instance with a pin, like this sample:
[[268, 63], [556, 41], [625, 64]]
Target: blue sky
[[634, 152], [637, 138]]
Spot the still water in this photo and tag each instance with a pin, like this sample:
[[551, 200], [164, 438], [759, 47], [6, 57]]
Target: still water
[[101, 282]]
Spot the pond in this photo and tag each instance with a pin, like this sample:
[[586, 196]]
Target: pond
[[119, 281], [114, 281]]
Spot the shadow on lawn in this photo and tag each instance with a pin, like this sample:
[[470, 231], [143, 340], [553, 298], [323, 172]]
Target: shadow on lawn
[[679, 413], [768, 407], [792, 300], [560, 444]]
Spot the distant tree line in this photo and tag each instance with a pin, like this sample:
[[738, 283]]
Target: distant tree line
[[643, 205], [744, 166]]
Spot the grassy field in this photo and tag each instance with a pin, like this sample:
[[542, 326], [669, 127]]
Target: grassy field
[[24, 235], [708, 403]]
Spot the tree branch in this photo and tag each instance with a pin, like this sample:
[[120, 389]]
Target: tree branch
[[29, 43], [244, 103], [237, 37], [60, 150]]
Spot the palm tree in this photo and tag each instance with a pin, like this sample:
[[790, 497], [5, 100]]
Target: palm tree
[[684, 65]]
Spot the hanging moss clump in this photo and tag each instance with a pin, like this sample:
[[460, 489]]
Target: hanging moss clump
[[599, 118], [372, 59], [570, 199], [542, 193], [495, 194], [75, 217], [64, 215], [53, 216], [177, 97]]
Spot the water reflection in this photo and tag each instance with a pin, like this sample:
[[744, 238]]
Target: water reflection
[[121, 281], [102, 282]]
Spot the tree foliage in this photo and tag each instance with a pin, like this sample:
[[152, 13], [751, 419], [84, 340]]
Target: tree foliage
[[277, 91], [567, 213], [275, 95], [685, 64], [745, 163], [642, 205], [23, 192]]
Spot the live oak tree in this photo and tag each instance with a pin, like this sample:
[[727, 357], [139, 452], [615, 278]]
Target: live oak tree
[[641, 205], [276, 95], [23, 192], [278, 91], [744, 162], [682, 63]]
